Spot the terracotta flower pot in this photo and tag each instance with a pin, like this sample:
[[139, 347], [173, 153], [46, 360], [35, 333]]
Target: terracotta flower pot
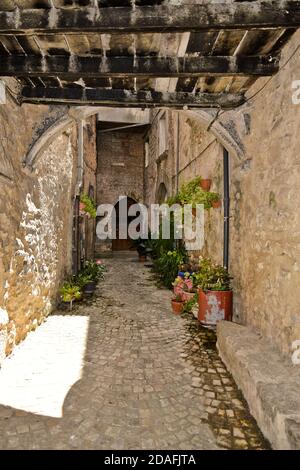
[[142, 258], [216, 204], [177, 306], [214, 306], [205, 184]]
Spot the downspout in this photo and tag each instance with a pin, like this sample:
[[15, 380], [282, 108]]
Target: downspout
[[177, 155], [78, 187], [226, 200], [80, 161]]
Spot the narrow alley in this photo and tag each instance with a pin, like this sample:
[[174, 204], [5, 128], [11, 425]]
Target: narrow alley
[[150, 379], [150, 225]]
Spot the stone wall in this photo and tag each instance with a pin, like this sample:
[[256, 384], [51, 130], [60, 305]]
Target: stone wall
[[120, 170], [193, 152], [265, 220], [36, 211]]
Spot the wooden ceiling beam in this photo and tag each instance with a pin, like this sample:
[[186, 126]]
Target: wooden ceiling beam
[[127, 98], [158, 18], [73, 67]]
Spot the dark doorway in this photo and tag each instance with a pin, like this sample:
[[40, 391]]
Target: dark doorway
[[123, 244], [162, 193]]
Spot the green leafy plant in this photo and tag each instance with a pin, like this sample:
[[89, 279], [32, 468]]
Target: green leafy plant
[[212, 276], [89, 205], [213, 197], [167, 266], [93, 270], [188, 306], [220, 279], [70, 292], [192, 193], [173, 200], [82, 279]]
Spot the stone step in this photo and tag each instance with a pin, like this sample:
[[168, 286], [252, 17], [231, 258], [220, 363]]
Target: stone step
[[269, 382]]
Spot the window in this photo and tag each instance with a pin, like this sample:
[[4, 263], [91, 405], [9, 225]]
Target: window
[[146, 154], [162, 134]]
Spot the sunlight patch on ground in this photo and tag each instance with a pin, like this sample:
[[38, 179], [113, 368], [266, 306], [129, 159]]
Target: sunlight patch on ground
[[39, 374]]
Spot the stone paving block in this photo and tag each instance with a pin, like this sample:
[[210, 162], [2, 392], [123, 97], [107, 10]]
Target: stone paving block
[[147, 381]]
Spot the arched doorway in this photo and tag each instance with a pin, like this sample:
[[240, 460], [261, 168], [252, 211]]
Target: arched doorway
[[162, 193], [121, 244]]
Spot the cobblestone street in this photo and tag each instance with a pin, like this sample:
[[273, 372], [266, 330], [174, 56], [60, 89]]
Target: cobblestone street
[[150, 379]]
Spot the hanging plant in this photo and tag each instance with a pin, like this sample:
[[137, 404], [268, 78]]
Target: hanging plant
[[205, 184], [88, 206], [192, 193]]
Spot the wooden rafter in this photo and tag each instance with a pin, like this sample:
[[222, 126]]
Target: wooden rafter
[[99, 66], [236, 15], [110, 97]]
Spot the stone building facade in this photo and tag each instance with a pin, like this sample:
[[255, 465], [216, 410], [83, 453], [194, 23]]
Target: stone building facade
[[36, 214], [264, 180]]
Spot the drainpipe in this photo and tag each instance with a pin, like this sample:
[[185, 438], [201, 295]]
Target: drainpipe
[[226, 208], [177, 155], [78, 187], [79, 181]]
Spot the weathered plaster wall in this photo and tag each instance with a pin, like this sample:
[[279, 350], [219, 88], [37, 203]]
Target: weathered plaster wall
[[265, 220], [35, 220]]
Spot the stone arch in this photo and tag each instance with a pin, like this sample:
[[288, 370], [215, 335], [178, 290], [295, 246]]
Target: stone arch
[[62, 123], [224, 129]]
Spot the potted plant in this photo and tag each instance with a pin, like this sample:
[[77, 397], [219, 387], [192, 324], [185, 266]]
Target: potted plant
[[216, 204], [192, 193], [141, 248], [86, 282], [177, 305], [184, 287], [94, 269], [215, 293], [215, 200], [70, 293], [205, 184]]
